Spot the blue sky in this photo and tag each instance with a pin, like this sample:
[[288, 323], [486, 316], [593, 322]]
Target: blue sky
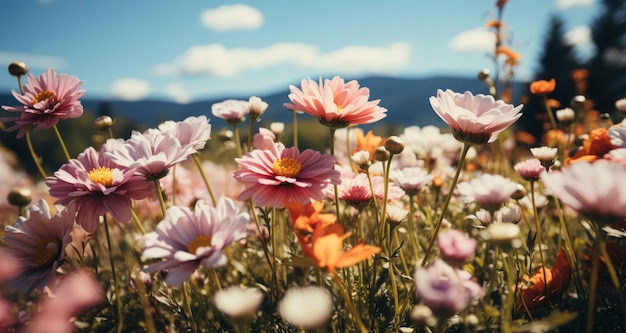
[[196, 49]]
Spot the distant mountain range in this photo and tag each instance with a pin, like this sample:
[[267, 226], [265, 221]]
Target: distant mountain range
[[405, 99]]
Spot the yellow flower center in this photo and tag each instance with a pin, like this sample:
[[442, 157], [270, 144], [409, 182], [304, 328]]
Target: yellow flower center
[[287, 167], [339, 108], [42, 96], [46, 251], [197, 242], [101, 175]]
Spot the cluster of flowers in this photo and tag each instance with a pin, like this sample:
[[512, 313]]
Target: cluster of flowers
[[366, 237]]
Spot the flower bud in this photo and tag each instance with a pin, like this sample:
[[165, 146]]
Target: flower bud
[[103, 123], [566, 116], [620, 105], [394, 145], [20, 196], [257, 107], [578, 102], [381, 154], [18, 68], [484, 74], [277, 128]]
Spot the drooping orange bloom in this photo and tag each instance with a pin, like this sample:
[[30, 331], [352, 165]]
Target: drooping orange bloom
[[307, 217], [325, 247], [368, 142], [512, 56], [542, 87], [525, 138], [594, 147], [557, 279]]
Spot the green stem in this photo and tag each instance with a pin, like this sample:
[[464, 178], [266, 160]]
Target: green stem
[[60, 138], [383, 214], [569, 249], [295, 128], [466, 147], [335, 186], [187, 304], [508, 308], [237, 139], [159, 191], [116, 286], [550, 113], [411, 223], [611, 268], [196, 160], [591, 302], [34, 155], [136, 221], [348, 299], [250, 134], [539, 240]]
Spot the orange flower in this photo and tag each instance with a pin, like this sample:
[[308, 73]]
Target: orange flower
[[594, 147], [558, 277], [542, 87], [508, 52], [553, 103], [307, 217], [368, 142], [494, 24], [579, 74], [526, 138], [325, 246]]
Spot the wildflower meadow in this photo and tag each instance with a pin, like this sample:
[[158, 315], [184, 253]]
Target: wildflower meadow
[[471, 227]]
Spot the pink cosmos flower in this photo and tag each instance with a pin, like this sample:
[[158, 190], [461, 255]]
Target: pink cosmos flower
[[456, 248], [410, 179], [187, 239], [335, 103], [275, 176], [46, 99], [232, 110], [489, 191], [530, 169], [355, 190], [265, 139], [595, 190], [446, 290], [97, 185], [38, 241], [193, 131], [474, 119], [151, 153]]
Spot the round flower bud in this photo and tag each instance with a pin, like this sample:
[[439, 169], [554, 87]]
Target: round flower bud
[[520, 192], [20, 196], [103, 123], [578, 102], [566, 116], [18, 68], [381, 154], [484, 74], [277, 128], [394, 145]]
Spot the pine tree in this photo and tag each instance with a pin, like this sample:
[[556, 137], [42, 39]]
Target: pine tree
[[557, 61], [607, 67]]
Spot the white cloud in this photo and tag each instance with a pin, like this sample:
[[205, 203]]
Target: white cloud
[[565, 4], [130, 89], [215, 59], [232, 17], [176, 91], [478, 39], [578, 36], [37, 61]]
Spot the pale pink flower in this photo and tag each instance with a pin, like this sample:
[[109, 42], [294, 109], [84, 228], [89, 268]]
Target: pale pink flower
[[187, 239], [265, 139], [456, 248], [232, 110], [38, 241], [474, 119], [151, 153], [238, 302], [489, 191], [193, 131], [595, 190], [276, 176], [335, 103], [46, 99], [446, 290], [356, 191], [411, 179], [10, 267], [97, 185], [306, 307], [530, 169]]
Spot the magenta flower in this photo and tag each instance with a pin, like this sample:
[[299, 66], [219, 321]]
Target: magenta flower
[[46, 99], [474, 119], [446, 290], [595, 190], [186, 239], [335, 103], [530, 169], [193, 131], [97, 185], [232, 110], [152, 153], [410, 179], [279, 175], [38, 242], [489, 191], [456, 248]]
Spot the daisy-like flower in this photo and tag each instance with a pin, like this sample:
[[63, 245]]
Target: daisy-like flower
[[356, 190], [265, 139], [97, 185], [38, 241], [544, 154], [456, 248], [232, 110], [530, 169], [257, 107], [46, 100], [411, 179], [193, 131], [566, 115], [489, 191], [238, 302], [186, 239], [474, 119], [152, 153], [279, 175], [542, 87], [335, 103], [617, 133], [595, 190], [306, 307]]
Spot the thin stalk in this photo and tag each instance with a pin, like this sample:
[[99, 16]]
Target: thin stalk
[[539, 239], [355, 314], [466, 147], [187, 304], [335, 186], [411, 223], [593, 288], [392, 276], [550, 113], [295, 128], [34, 155], [250, 134], [159, 191], [136, 221], [510, 286], [611, 268], [116, 286], [237, 139], [383, 214], [60, 138], [569, 249], [198, 163]]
